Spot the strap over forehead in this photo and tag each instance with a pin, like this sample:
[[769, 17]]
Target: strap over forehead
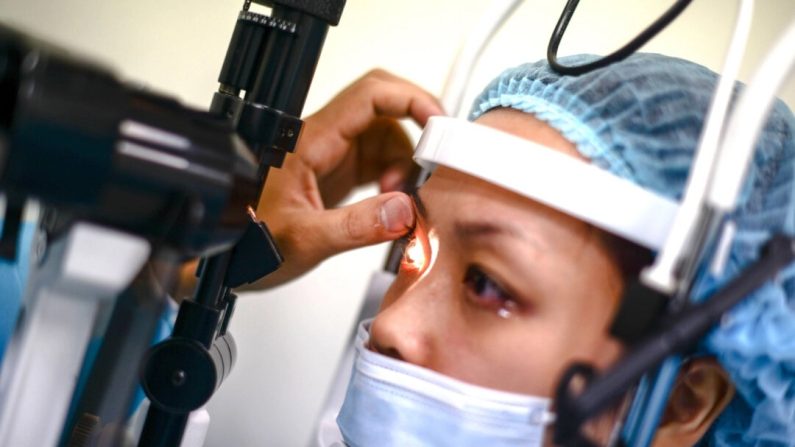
[[550, 177]]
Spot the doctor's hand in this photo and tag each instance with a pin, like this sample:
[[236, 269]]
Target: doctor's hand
[[353, 140]]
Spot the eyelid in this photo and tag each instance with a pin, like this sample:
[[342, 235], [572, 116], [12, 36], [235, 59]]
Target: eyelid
[[493, 278], [514, 301], [417, 251]]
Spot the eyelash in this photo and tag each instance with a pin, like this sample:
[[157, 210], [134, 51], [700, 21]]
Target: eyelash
[[485, 291]]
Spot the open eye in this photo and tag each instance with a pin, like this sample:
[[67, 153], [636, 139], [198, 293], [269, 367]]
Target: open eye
[[485, 291]]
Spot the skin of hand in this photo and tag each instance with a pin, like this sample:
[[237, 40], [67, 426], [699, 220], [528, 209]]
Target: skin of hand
[[355, 139]]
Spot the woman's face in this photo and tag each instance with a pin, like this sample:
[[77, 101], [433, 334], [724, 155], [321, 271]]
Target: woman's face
[[498, 290]]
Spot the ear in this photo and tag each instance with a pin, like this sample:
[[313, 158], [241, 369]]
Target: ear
[[702, 391]]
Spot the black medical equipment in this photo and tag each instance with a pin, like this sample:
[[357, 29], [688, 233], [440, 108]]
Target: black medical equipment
[[272, 59], [622, 53], [144, 153], [657, 318], [90, 149], [76, 139], [675, 333]]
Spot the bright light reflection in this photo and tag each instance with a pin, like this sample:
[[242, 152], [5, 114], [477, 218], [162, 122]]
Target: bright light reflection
[[419, 254], [415, 257]]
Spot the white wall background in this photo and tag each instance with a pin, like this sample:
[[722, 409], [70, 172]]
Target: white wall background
[[289, 338]]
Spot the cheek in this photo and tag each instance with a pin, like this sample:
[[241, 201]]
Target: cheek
[[530, 354], [585, 311], [520, 357]]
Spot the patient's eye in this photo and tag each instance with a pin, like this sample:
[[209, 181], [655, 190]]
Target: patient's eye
[[415, 254], [483, 290]]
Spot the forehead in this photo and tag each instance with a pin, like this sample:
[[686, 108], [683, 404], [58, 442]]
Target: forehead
[[451, 193], [459, 206], [529, 127]]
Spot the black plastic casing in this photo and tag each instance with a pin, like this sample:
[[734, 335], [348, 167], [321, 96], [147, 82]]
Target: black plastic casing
[[328, 11], [78, 140]]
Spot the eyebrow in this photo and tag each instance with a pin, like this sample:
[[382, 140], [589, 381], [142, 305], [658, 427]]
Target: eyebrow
[[485, 229], [475, 228], [421, 210]]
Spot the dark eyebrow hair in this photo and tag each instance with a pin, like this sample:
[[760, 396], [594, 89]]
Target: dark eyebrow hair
[[482, 228], [473, 229], [415, 196], [478, 228]]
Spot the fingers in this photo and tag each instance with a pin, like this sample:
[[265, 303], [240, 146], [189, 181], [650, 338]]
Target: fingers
[[396, 97], [381, 218], [383, 146], [363, 119], [354, 139], [377, 94], [306, 238]]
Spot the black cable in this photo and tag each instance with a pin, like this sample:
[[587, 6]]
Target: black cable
[[641, 39]]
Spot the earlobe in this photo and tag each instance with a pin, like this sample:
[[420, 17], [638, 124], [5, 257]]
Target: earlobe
[[702, 391]]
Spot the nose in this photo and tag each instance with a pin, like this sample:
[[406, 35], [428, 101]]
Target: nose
[[409, 322]]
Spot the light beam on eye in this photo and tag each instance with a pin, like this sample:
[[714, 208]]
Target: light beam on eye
[[415, 257], [420, 253]]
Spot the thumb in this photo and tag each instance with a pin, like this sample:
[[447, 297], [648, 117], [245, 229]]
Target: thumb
[[384, 217]]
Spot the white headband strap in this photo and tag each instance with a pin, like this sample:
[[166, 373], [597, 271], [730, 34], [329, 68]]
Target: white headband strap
[[555, 179]]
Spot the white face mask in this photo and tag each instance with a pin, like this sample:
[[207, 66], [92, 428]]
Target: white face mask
[[393, 403]]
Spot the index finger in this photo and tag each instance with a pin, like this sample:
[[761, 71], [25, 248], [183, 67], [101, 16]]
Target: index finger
[[378, 94]]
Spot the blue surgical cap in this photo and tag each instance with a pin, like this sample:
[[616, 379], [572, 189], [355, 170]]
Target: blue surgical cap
[[641, 120]]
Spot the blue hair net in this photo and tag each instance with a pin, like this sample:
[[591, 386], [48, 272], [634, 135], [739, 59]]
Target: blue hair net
[[641, 120]]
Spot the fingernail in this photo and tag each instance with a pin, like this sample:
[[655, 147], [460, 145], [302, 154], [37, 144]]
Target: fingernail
[[396, 214]]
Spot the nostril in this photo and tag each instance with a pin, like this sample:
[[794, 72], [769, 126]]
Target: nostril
[[392, 352], [389, 352]]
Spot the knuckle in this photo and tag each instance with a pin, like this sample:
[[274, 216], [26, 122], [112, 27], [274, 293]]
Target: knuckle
[[352, 228], [297, 247], [370, 83], [377, 73], [375, 80], [286, 239]]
